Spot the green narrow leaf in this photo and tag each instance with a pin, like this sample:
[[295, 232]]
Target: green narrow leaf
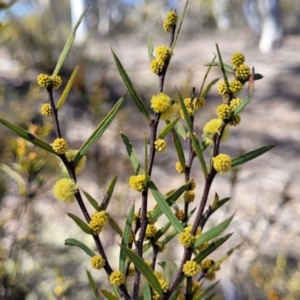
[[67, 46], [76, 243], [136, 97], [242, 105], [175, 294], [140, 264], [207, 290], [161, 201], [27, 136], [210, 297], [180, 130], [170, 200], [114, 225], [212, 233], [132, 155], [201, 93], [221, 203], [193, 138], [85, 227], [167, 270], [168, 128], [227, 68], [67, 89], [125, 239], [99, 131], [93, 202], [209, 86], [150, 47], [178, 148], [105, 202], [93, 285], [211, 248], [223, 69], [223, 258], [250, 155], [146, 291], [109, 295]]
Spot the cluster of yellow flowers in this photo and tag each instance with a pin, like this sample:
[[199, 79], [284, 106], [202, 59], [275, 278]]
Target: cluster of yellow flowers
[[179, 168], [97, 262], [116, 278], [151, 231], [162, 55], [160, 103], [180, 214], [137, 182], [222, 163], [60, 146], [191, 268], [212, 128], [186, 238], [160, 145], [46, 110], [170, 21], [98, 221], [65, 189], [45, 81]]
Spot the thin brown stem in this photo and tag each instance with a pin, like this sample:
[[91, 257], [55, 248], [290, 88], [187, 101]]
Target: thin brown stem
[[54, 112]]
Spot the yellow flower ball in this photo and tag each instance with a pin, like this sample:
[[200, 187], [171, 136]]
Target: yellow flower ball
[[212, 128], [98, 221], [222, 163], [242, 72], [137, 182], [191, 268], [44, 80], [179, 168], [160, 145], [65, 189], [235, 120], [97, 262], [206, 264], [116, 278], [235, 86], [189, 196], [235, 103], [46, 110], [164, 286], [192, 185], [160, 103], [186, 239], [224, 111], [60, 146], [237, 59], [222, 88], [163, 52], [150, 231], [180, 214], [170, 21], [57, 82], [157, 66]]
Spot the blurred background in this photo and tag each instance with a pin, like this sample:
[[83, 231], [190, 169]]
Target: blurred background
[[264, 193]]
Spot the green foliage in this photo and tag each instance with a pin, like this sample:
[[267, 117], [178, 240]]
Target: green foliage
[[140, 233]]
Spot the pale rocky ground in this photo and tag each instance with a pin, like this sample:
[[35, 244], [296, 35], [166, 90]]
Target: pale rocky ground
[[273, 117]]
